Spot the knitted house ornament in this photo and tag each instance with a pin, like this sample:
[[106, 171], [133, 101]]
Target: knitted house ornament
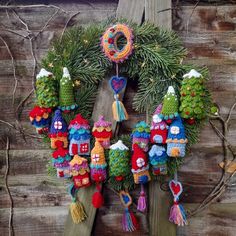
[[158, 160], [177, 212], [140, 170], [117, 84], [159, 128], [79, 136], [141, 135], [119, 166], [40, 119], [61, 161], [46, 89], [79, 169], [98, 172], [58, 131], [102, 131], [66, 92], [170, 106], [176, 140], [193, 92], [129, 221]]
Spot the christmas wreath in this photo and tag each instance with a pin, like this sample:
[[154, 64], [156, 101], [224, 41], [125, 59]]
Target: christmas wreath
[[172, 94]]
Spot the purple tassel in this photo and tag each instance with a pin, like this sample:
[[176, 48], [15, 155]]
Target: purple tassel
[[129, 222], [178, 215], [142, 205]]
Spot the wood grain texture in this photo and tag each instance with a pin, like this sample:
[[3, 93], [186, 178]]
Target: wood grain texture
[[133, 11], [158, 12], [218, 219]]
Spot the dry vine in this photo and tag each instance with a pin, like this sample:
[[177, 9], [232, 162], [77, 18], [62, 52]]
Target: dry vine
[[226, 177]]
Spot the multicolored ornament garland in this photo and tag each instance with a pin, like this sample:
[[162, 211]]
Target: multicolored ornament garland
[[167, 133]]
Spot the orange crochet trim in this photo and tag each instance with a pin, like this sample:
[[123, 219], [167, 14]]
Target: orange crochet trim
[[176, 140], [109, 42]]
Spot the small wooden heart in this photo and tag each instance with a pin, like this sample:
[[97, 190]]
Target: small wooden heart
[[176, 188], [117, 83]]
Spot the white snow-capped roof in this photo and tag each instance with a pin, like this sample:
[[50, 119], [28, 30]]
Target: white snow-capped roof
[[119, 145], [66, 72], [171, 89], [43, 73], [192, 73]]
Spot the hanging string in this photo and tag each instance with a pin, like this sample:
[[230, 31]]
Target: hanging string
[[117, 70]]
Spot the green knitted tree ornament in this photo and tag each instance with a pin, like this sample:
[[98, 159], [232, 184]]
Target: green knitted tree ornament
[[192, 93], [66, 93], [46, 89], [170, 105], [120, 176]]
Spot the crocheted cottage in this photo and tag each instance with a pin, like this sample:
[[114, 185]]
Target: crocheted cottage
[[159, 128], [102, 132], [176, 140], [140, 135], [79, 136], [40, 118], [58, 131], [61, 160], [80, 171], [98, 163], [158, 160], [140, 166]]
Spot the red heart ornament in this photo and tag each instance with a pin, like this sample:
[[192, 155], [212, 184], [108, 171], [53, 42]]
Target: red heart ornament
[[176, 188]]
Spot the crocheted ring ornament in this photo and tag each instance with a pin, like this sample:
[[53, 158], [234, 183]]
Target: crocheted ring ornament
[[109, 42]]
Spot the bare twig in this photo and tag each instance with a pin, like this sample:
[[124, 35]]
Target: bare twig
[[68, 21], [10, 222], [24, 100], [230, 113], [32, 6], [190, 16], [47, 23], [13, 68]]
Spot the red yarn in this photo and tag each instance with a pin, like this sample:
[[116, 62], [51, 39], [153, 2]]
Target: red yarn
[[138, 153], [103, 134], [79, 120], [60, 152], [97, 200], [134, 220], [39, 111]]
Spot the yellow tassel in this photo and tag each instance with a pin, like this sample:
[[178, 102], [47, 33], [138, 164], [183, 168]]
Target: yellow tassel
[[77, 212], [119, 111]]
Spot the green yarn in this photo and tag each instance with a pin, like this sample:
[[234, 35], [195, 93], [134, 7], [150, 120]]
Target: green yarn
[[46, 91], [119, 162], [193, 93], [66, 93], [170, 105]]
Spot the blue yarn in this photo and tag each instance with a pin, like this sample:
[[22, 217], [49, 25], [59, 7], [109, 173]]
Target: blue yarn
[[120, 111], [183, 212], [137, 134]]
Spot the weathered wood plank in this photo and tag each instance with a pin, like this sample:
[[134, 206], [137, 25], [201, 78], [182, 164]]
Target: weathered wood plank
[[205, 18], [159, 202], [159, 13], [133, 12], [218, 219], [38, 221], [35, 191]]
